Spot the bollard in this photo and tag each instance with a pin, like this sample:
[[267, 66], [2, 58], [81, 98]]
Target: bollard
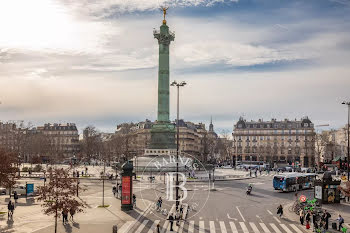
[[115, 229]]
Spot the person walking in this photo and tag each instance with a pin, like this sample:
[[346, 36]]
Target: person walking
[[9, 209], [64, 216], [158, 228], [256, 172], [340, 219], [15, 196], [301, 216], [72, 212], [114, 190], [307, 219], [280, 210], [326, 216], [171, 220]]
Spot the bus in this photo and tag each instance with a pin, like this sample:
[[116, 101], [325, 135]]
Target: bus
[[293, 181]]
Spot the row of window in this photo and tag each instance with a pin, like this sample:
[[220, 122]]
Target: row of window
[[305, 125], [276, 131], [255, 138]]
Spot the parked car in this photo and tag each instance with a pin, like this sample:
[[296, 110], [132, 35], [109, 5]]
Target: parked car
[[2, 190], [20, 189]]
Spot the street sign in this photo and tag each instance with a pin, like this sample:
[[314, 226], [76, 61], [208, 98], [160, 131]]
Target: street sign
[[302, 198]]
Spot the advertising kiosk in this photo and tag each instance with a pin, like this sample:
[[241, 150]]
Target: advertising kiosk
[[126, 196]]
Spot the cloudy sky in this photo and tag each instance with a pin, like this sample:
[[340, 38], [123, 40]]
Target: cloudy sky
[[95, 61]]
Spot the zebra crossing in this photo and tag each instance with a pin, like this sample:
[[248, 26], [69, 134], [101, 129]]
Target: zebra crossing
[[191, 226]]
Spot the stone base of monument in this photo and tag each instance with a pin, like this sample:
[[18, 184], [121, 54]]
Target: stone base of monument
[[161, 160]]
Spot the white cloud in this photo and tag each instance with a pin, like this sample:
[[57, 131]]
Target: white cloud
[[231, 53]]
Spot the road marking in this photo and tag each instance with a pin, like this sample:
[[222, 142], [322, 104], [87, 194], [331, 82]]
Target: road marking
[[212, 227], [126, 226], [286, 228], [165, 226], [244, 228], [233, 227], [191, 227], [275, 228], [264, 227], [228, 216], [295, 228], [255, 229], [223, 227], [181, 227], [269, 212], [259, 218], [276, 219], [141, 226], [240, 214], [201, 227], [154, 227]]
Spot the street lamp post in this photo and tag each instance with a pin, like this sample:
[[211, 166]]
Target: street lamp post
[[348, 103], [178, 85]]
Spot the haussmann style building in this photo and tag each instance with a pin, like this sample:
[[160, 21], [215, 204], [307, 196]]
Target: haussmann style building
[[275, 142]]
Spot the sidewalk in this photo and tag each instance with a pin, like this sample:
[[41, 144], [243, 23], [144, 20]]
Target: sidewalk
[[29, 217], [333, 209]]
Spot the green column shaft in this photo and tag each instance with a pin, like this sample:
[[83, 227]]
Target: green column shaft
[[163, 83]]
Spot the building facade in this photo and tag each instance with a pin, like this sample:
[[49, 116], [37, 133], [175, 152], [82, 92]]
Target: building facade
[[63, 138], [192, 138], [287, 141]]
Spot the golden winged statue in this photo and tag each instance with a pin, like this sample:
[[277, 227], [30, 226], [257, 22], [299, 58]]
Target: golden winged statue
[[164, 9]]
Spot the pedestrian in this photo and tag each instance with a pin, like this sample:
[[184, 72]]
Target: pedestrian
[[72, 212], [9, 208], [340, 219], [256, 172], [326, 216], [250, 172], [177, 217], [82, 173], [301, 216], [171, 220], [296, 195], [280, 210], [158, 228], [15, 196], [114, 190], [64, 216], [12, 209], [307, 218]]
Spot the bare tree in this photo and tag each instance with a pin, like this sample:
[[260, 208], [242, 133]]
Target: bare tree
[[7, 168], [58, 194], [322, 140], [91, 144]]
